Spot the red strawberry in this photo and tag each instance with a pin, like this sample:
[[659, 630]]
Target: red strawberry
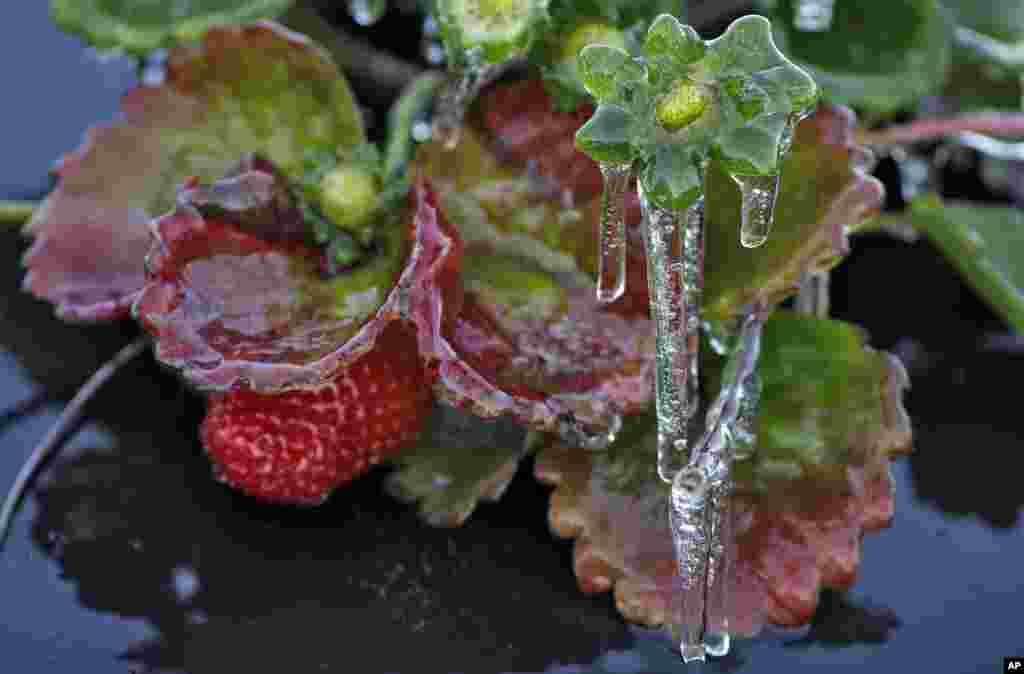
[[297, 446]]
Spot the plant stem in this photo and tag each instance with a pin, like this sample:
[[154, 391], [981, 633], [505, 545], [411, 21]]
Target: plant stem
[[13, 212], [64, 426], [377, 74], [997, 123], [414, 100]]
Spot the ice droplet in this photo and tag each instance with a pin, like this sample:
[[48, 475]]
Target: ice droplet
[[611, 271], [675, 272], [759, 194], [456, 97], [813, 16], [367, 12]]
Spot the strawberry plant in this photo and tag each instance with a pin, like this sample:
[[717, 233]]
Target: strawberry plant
[[607, 222]]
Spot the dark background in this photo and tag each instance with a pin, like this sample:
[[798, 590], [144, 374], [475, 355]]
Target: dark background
[[129, 558]]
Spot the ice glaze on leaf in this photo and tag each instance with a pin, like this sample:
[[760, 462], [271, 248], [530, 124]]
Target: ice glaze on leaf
[[800, 535], [460, 461], [243, 89], [229, 308], [825, 189], [538, 344]]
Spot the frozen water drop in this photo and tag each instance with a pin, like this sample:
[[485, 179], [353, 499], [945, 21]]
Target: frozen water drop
[[367, 12], [813, 16], [611, 274], [759, 194], [456, 97]]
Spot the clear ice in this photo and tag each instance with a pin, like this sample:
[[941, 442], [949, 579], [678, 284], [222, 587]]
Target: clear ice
[[611, 274], [367, 12], [458, 95], [675, 268], [700, 516], [759, 194]]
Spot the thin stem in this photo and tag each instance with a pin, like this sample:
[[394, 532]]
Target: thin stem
[[414, 101], [14, 212], [378, 75], [59, 432], [996, 123]]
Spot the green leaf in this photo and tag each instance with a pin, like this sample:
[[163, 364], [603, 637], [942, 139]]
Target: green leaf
[[460, 461], [736, 97], [673, 177], [139, 27], [880, 58], [607, 136], [670, 46], [604, 69], [999, 19], [985, 244]]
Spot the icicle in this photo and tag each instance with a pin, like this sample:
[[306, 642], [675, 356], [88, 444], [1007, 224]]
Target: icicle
[[457, 96], [721, 553], [699, 514], [611, 274], [675, 259], [814, 295], [688, 518], [758, 207], [813, 16], [367, 12]]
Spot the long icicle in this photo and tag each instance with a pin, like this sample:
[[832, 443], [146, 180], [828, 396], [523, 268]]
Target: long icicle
[[611, 270], [699, 513], [674, 242]]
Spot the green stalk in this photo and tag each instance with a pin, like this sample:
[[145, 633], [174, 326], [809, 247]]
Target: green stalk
[[415, 98], [962, 248]]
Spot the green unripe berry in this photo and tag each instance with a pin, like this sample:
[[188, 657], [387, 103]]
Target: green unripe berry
[[349, 196], [682, 106]]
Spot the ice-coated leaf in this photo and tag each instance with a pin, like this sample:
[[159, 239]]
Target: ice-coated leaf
[[229, 308], [984, 243], [139, 27], [824, 191], [460, 461], [533, 341], [241, 90], [800, 534], [507, 176], [605, 69], [735, 98], [670, 41], [674, 176], [606, 136], [879, 58]]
